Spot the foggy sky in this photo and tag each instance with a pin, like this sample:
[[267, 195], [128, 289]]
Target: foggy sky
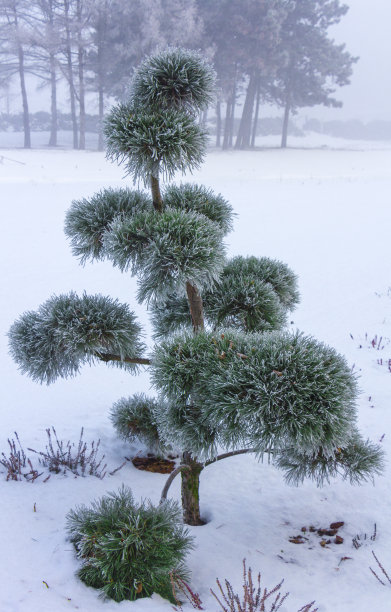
[[366, 31]]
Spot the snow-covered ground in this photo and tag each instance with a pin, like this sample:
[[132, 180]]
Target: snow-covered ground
[[326, 212]]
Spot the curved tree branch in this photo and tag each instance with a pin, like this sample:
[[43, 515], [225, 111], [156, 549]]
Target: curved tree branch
[[111, 357], [231, 454], [170, 479]]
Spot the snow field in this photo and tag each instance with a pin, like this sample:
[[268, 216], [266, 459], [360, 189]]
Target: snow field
[[326, 213]]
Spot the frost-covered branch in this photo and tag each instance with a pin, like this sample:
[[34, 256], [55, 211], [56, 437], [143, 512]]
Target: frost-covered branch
[[170, 479], [111, 357], [243, 451]]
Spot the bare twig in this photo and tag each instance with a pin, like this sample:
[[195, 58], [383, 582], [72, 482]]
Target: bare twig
[[382, 570], [117, 469], [178, 584]]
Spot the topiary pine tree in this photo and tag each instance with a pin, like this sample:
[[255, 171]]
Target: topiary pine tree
[[228, 376]]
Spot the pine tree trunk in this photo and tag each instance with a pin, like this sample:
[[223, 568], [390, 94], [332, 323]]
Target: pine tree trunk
[[80, 58], [231, 124], [218, 124], [285, 125], [82, 108], [101, 113], [255, 122], [244, 133], [53, 103], [101, 32], [190, 488], [70, 76], [227, 126], [157, 199], [191, 477], [26, 118], [196, 307]]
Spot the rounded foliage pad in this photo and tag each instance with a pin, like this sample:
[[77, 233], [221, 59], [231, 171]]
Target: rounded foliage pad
[[150, 142], [272, 389], [182, 425], [166, 250], [358, 461], [68, 331], [169, 315], [272, 271], [87, 220], [202, 200], [174, 78], [129, 550], [252, 294], [135, 418]]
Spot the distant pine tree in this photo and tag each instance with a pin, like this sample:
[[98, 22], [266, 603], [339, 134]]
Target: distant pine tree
[[314, 64]]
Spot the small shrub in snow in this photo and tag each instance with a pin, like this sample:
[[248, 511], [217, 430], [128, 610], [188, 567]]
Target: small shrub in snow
[[128, 550], [17, 464], [254, 598], [79, 459]]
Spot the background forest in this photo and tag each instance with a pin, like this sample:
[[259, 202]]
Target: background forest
[[277, 52]]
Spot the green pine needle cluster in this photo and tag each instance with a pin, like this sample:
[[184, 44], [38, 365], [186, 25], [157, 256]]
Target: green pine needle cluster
[[129, 550], [155, 132], [166, 250], [170, 315], [270, 271], [135, 418], [251, 294], [176, 78], [68, 331], [87, 220], [182, 424], [199, 199], [148, 142], [270, 390], [358, 461]]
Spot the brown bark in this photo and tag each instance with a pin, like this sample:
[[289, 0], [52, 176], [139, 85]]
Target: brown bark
[[156, 195], [196, 307], [190, 490]]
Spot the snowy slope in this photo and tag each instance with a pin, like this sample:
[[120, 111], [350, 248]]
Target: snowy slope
[[327, 214]]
